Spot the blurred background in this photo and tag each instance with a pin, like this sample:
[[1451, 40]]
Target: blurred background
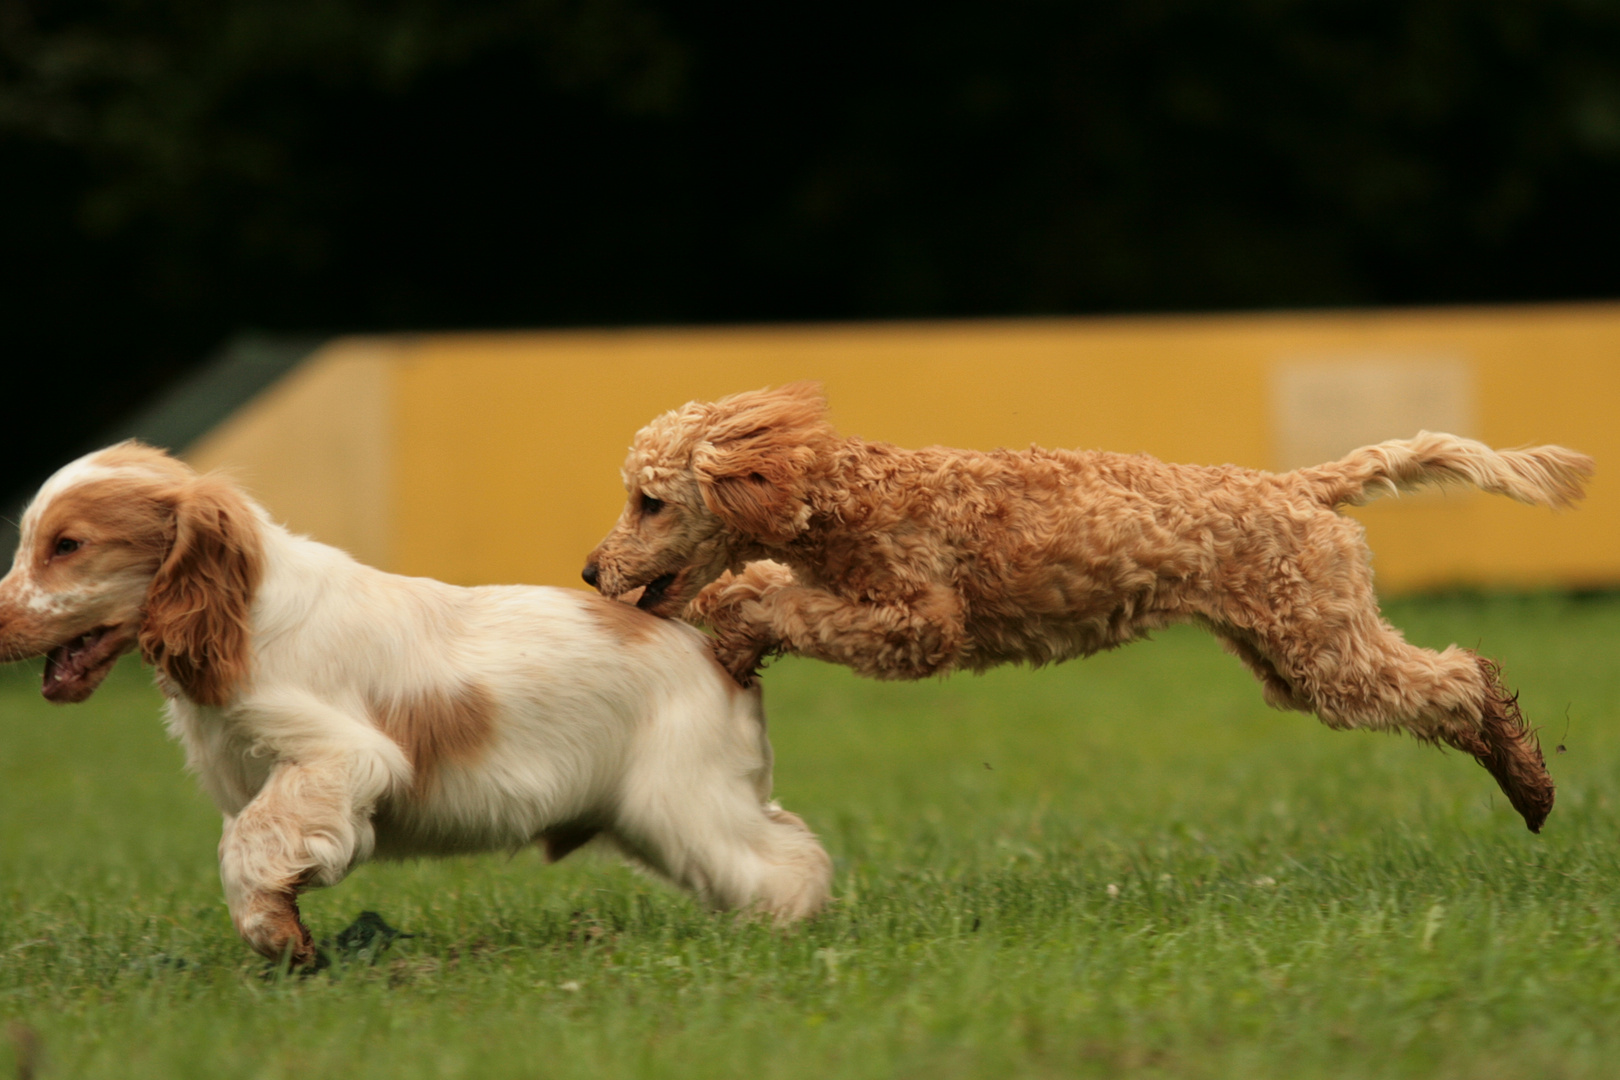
[[289, 235]]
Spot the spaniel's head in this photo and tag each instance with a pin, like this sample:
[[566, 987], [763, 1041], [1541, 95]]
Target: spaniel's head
[[127, 547], [711, 485]]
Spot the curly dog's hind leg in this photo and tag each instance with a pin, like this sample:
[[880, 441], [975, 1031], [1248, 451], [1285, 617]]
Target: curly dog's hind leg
[[1508, 749], [1364, 674], [1273, 687]]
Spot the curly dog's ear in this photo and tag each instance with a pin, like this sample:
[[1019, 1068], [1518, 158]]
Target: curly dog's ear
[[196, 625], [752, 462]]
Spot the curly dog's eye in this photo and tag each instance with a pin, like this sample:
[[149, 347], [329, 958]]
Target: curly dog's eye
[[65, 546], [650, 505]]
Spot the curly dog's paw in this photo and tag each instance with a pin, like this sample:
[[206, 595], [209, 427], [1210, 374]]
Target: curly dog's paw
[[742, 636], [732, 606], [701, 608], [765, 575], [721, 600]]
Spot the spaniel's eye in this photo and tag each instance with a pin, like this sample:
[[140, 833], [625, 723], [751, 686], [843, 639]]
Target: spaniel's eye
[[650, 505], [65, 546]]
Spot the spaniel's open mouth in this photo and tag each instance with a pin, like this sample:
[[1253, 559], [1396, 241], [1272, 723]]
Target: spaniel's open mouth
[[73, 670]]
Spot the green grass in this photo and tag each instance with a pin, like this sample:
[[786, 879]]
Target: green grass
[[1124, 866]]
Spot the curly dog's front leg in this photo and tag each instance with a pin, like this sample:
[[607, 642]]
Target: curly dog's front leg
[[731, 607], [759, 612]]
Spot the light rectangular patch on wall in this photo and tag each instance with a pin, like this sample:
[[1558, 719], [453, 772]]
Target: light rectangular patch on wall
[[1323, 407]]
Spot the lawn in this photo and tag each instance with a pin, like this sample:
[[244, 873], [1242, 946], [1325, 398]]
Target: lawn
[[1126, 866]]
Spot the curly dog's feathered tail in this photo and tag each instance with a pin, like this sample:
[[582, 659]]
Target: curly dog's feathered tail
[[1541, 475]]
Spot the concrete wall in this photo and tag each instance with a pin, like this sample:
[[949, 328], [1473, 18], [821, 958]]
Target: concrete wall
[[494, 457]]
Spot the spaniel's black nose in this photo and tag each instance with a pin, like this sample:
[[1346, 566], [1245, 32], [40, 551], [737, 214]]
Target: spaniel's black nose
[[590, 575]]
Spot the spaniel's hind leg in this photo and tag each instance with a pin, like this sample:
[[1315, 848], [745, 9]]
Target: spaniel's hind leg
[[1361, 673], [735, 853], [696, 808]]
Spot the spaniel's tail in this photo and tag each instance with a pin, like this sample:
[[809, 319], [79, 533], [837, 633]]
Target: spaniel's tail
[[1540, 475]]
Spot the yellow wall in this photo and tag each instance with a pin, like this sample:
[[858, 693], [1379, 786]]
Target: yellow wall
[[503, 449], [316, 447]]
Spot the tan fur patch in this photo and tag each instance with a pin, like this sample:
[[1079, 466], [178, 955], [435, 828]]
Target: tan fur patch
[[625, 622], [197, 608], [129, 513], [438, 729]]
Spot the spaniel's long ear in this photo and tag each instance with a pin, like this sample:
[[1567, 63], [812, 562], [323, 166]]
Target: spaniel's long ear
[[196, 625], [752, 463]]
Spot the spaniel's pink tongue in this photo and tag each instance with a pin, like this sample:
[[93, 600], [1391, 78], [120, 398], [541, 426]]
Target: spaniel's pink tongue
[[73, 670]]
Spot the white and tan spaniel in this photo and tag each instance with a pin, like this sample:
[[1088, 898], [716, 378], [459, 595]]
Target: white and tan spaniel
[[335, 712]]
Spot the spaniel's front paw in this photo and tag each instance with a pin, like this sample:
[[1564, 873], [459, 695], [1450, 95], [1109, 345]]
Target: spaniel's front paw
[[271, 924]]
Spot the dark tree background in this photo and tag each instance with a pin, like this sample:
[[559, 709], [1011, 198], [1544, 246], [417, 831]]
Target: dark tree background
[[173, 172]]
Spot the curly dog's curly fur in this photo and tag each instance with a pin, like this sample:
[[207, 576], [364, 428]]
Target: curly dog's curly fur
[[752, 514]]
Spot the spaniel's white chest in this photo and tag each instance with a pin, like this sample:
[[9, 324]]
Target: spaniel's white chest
[[228, 764]]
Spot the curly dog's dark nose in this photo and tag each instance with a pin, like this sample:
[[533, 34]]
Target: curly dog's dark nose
[[590, 574]]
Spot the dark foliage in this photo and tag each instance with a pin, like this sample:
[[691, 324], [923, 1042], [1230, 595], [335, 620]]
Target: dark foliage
[[173, 171]]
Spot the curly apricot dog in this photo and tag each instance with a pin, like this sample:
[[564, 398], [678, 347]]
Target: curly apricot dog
[[908, 563]]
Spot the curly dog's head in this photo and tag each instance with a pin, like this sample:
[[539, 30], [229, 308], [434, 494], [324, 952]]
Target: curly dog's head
[[711, 485]]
